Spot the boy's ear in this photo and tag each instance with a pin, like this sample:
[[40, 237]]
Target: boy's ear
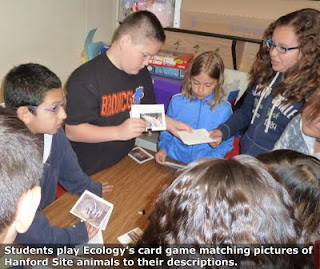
[[124, 41], [26, 209], [24, 114]]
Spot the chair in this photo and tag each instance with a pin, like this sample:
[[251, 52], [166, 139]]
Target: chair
[[236, 148]]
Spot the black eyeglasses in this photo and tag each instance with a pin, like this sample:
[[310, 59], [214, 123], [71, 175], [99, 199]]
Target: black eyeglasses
[[280, 49]]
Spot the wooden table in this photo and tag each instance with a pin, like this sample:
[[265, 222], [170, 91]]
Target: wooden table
[[136, 187]]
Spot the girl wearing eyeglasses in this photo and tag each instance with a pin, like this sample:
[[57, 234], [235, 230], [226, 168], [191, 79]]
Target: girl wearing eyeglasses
[[285, 73]]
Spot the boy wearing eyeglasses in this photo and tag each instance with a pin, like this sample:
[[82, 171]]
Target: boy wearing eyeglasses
[[35, 94]]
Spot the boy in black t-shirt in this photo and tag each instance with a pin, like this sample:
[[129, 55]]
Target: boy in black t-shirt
[[100, 94]]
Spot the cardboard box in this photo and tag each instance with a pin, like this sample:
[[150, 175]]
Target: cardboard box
[[246, 18]]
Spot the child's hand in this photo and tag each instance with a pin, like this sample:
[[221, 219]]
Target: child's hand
[[174, 126], [216, 135], [106, 187], [92, 231], [131, 128], [160, 156]]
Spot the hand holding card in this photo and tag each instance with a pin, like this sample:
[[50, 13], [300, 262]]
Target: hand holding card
[[93, 209], [153, 115], [175, 165], [200, 136]]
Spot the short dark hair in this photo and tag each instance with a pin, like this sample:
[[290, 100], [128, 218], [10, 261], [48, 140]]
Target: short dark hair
[[27, 84], [300, 174], [141, 25], [311, 108], [20, 164]]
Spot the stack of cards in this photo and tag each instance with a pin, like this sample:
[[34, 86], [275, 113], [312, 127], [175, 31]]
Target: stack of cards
[[200, 136], [140, 155]]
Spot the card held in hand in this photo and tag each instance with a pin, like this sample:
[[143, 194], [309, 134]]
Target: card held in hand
[[93, 209], [199, 136], [174, 165], [153, 115]]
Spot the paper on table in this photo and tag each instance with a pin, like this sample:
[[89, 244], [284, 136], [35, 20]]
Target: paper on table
[[174, 165], [131, 237], [199, 136]]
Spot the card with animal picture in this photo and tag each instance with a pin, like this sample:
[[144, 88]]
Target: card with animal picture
[[140, 155], [153, 115], [93, 209], [131, 237]]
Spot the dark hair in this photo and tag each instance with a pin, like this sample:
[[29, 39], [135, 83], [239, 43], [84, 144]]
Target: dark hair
[[234, 201], [27, 84], [230, 202], [212, 65], [20, 164], [303, 78], [311, 110], [141, 25], [300, 174]]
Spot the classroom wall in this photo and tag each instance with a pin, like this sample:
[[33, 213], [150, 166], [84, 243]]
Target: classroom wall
[[244, 19], [52, 32]]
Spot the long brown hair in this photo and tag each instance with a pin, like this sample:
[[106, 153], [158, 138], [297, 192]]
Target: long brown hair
[[216, 201], [303, 78], [211, 64]]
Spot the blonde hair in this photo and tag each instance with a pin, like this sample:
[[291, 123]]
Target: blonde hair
[[211, 64]]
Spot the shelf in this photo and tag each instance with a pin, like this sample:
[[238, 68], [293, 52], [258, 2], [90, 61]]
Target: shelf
[[236, 45]]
